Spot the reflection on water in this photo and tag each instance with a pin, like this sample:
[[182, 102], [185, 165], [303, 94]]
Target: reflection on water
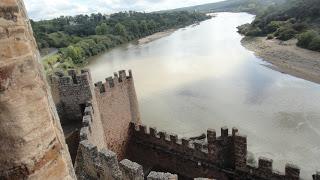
[[201, 77]]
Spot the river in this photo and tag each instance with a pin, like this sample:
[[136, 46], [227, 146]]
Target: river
[[201, 77]]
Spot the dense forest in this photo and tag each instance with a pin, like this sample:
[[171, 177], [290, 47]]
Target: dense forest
[[294, 19], [251, 6], [82, 36]]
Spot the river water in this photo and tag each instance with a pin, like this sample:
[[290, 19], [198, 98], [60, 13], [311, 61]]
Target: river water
[[201, 77]]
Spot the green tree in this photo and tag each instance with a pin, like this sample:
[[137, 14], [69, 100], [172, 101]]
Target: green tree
[[315, 44], [305, 38], [120, 30], [102, 29], [75, 53]]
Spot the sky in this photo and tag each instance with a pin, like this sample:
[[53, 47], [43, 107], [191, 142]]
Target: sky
[[47, 9]]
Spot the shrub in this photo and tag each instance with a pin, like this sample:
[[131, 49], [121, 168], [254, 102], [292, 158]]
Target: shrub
[[270, 36], [243, 29], [305, 38], [273, 26], [254, 31], [285, 33], [299, 26], [315, 44]]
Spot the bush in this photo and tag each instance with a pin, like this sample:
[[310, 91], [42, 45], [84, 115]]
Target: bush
[[315, 44], [273, 26], [305, 38], [299, 26], [243, 29], [254, 31], [270, 36], [285, 33]]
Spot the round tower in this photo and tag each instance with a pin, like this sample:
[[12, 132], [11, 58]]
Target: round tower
[[31, 137]]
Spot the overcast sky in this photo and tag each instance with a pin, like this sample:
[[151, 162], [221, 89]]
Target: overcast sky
[[46, 9]]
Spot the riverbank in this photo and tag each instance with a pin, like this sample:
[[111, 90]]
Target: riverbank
[[156, 36], [286, 57]]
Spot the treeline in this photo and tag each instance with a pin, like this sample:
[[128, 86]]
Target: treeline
[[82, 36], [294, 19], [250, 6]]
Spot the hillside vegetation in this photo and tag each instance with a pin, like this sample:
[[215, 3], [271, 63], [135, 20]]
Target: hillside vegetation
[[82, 36], [251, 6], [294, 19]]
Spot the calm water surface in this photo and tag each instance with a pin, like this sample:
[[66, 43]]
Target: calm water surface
[[201, 77]]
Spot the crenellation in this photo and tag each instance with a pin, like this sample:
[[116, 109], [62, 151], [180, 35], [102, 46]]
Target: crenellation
[[292, 172], [234, 131], [88, 110], [224, 132], [211, 136], [110, 165], [109, 82], [65, 81], [122, 76], [316, 176], [142, 129], [130, 74], [163, 135], [185, 142], [86, 120], [131, 170], [72, 73], [116, 78], [84, 132], [173, 138], [100, 87], [153, 131], [265, 165], [240, 151], [83, 79], [197, 145], [161, 176]]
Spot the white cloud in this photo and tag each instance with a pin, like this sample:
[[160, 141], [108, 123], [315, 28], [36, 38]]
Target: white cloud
[[46, 9]]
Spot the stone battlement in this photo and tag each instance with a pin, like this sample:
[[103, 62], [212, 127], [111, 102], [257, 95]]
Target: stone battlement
[[70, 93], [92, 163], [111, 82], [72, 78], [87, 120], [214, 151], [217, 153]]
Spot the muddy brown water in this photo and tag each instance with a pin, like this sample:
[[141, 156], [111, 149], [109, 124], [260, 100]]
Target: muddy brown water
[[201, 77]]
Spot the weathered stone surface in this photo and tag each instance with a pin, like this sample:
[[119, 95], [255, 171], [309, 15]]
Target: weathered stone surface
[[118, 106], [161, 176], [131, 170], [31, 138]]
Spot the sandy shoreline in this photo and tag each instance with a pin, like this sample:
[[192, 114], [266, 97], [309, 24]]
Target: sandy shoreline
[[156, 36], [286, 57]]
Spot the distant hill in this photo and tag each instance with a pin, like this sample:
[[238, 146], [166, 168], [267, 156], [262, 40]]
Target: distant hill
[[251, 6], [294, 19]]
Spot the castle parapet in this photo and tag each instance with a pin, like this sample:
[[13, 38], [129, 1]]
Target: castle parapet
[[71, 78], [316, 176], [161, 176], [119, 78], [70, 93], [206, 153]]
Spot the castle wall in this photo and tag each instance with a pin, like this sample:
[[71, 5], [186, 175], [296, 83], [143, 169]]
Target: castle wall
[[222, 157], [31, 138], [118, 106], [94, 163], [71, 92]]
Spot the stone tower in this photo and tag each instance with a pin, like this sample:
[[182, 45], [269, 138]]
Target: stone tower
[[31, 138]]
